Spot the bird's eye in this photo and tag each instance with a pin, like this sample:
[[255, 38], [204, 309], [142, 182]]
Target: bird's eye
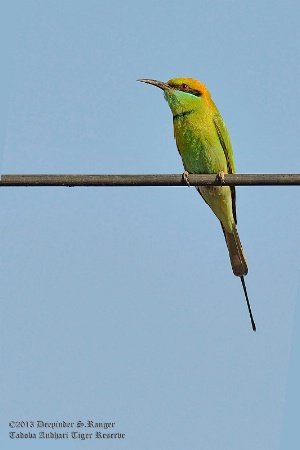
[[184, 87]]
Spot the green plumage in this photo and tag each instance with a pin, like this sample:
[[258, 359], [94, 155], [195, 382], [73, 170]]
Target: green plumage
[[205, 147]]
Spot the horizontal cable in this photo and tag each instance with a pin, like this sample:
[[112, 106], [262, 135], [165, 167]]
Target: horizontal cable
[[151, 180]]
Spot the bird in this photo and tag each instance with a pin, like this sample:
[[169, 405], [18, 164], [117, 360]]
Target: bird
[[204, 145]]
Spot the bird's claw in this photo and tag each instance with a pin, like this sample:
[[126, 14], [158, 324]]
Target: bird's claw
[[185, 177], [221, 177]]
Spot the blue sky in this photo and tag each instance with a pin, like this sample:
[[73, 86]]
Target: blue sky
[[119, 304]]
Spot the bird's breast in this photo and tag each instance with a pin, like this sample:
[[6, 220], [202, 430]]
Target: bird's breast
[[199, 146]]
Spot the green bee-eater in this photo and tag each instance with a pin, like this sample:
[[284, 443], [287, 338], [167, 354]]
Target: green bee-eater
[[205, 147]]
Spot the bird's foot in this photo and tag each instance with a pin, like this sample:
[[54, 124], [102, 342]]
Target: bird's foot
[[221, 177], [185, 177]]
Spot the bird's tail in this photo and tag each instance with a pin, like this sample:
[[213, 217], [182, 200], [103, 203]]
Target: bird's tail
[[238, 262], [236, 252]]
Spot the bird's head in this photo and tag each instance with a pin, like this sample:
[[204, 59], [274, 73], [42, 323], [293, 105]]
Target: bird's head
[[183, 93]]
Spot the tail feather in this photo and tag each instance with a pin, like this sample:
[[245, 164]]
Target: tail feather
[[236, 252], [248, 304], [238, 263]]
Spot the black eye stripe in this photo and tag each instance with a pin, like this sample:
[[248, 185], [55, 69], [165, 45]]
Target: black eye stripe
[[188, 90], [194, 92]]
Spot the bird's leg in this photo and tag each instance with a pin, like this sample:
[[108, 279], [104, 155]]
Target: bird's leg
[[185, 177], [221, 177]]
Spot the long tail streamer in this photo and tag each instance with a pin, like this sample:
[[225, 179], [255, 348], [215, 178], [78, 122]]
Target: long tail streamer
[[248, 303]]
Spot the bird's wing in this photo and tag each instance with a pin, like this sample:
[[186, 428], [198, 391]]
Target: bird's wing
[[225, 142]]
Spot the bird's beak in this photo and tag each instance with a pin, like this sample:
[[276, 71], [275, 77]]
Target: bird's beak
[[160, 84]]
